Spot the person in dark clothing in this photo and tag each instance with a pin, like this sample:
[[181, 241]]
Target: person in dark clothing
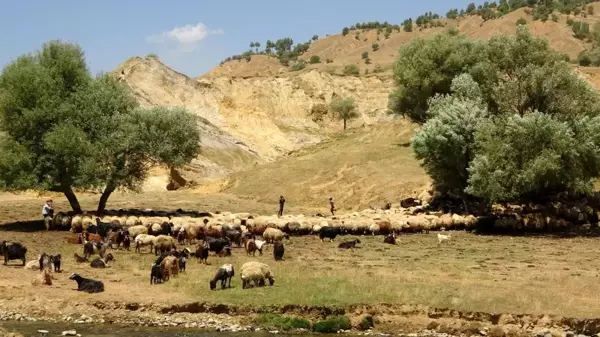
[[332, 206], [281, 203]]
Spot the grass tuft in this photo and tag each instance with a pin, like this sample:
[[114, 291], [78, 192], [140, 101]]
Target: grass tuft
[[281, 322], [332, 324]]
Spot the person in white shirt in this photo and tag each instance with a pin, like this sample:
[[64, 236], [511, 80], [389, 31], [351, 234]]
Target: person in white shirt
[[48, 213]]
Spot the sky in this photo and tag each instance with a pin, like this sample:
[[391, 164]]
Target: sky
[[189, 36]]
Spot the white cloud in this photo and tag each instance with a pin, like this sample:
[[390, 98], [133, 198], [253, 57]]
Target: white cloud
[[187, 36]]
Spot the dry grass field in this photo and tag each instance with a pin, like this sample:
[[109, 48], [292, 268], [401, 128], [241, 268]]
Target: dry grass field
[[470, 273], [359, 168]]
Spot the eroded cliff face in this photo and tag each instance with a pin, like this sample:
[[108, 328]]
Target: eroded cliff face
[[245, 122]]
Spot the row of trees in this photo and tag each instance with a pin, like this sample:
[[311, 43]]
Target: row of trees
[[283, 49], [503, 119], [62, 129]]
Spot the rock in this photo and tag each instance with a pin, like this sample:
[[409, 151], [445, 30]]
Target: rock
[[570, 334], [69, 333], [43, 331], [483, 332]]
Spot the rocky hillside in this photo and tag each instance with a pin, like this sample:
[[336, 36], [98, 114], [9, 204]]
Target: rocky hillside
[[246, 122], [252, 113]]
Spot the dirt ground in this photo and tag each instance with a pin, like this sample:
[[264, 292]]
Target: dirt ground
[[471, 273]]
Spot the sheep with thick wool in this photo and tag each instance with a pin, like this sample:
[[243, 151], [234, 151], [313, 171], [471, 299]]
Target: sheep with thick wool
[[136, 230], [144, 240], [164, 243], [256, 272], [273, 234]]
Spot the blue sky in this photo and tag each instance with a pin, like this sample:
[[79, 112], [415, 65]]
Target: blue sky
[[190, 36]]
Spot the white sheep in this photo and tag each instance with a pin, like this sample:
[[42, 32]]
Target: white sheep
[[136, 230], [143, 240], [256, 272], [274, 234]]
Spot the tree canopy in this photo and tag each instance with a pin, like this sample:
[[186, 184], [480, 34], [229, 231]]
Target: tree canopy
[[513, 121], [65, 130], [344, 109]]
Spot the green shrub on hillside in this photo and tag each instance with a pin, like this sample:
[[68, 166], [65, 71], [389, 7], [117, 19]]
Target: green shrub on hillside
[[365, 55], [351, 70], [297, 66], [318, 111], [584, 58], [375, 46], [284, 323], [315, 59], [332, 324], [521, 21], [345, 31], [570, 22]]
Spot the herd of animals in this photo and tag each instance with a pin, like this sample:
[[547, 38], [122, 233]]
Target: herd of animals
[[216, 233]]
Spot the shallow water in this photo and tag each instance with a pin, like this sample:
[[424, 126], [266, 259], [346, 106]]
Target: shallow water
[[29, 329]]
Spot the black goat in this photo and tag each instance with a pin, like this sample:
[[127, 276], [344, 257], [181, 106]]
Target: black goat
[[56, 261], [181, 261], [156, 274], [87, 285], [13, 251], [278, 250]]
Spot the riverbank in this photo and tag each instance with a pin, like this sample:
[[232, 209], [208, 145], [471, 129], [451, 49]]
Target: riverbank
[[406, 320]]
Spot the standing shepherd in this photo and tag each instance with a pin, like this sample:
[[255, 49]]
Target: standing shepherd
[[48, 213], [281, 203], [332, 206]]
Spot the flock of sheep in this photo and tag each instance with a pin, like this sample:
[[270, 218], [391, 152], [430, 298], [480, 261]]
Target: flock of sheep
[[219, 233]]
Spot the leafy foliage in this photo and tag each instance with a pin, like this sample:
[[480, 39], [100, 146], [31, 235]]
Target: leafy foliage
[[533, 154], [318, 111], [332, 324], [516, 123], [285, 323], [315, 59], [351, 70], [66, 130], [344, 109]]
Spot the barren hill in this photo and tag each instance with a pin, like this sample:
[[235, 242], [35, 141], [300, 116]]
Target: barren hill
[[258, 136], [246, 122]]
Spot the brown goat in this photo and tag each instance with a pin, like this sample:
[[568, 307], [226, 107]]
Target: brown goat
[[250, 246], [170, 267], [257, 230]]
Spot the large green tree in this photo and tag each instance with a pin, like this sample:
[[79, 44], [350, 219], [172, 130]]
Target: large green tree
[[65, 130], [529, 128]]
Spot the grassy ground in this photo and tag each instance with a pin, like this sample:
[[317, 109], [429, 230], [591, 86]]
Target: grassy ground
[[471, 273], [358, 168]]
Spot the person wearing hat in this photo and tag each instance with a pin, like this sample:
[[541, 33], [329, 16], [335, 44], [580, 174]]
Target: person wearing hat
[[281, 203], [48, 213], [332, 205]]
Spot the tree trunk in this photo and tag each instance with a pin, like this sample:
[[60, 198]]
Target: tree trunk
[[344, 125], [104, 199], [68, 191]]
